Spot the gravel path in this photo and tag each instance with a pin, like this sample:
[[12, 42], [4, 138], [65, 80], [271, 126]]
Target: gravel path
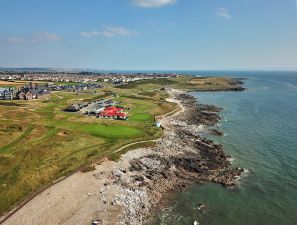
[[82, 197], [128, 191]]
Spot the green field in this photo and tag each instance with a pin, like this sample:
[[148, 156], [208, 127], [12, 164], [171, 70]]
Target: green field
[[39, 142]]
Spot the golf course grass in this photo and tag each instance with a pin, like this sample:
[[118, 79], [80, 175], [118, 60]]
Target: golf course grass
[[40, 142]]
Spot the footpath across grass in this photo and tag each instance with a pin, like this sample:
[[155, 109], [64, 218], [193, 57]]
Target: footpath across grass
[[51, 143], [39, 142]]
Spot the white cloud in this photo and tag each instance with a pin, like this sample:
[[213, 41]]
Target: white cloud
[[152, 3], [223, 12], [109, 32], [16, 40], [46, 36], [89, 34], [34, 38]]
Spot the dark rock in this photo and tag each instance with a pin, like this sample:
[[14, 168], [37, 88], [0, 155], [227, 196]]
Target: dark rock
[[215, 132], [136, 165]]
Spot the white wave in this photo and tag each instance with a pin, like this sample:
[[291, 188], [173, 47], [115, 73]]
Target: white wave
[[243, 175], [201, 127], [284, 83], [231, 160]]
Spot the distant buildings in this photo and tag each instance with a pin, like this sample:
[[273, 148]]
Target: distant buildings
[[34, 91], [96, 106], [31, 91], [69, 81], [7, 93], [113, 113], [101, 108], [74, 87], [83, 77], [27, 92]]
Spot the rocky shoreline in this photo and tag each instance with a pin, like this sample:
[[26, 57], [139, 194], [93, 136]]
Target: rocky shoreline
[[131, 190], [181, 158]]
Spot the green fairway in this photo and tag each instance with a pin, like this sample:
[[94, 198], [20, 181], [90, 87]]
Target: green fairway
[[39, 142], [142, 117], [110, 131], [48, 143]]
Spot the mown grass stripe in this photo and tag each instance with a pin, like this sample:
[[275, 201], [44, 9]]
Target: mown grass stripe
[[18, 139]]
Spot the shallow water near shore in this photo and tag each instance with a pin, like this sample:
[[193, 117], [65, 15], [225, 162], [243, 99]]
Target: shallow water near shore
[[260, 127]]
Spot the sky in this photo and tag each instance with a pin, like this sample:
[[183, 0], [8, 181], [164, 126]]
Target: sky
[[149, 34]]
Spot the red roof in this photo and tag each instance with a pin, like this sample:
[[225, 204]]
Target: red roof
[[113, 114], [113, 111]]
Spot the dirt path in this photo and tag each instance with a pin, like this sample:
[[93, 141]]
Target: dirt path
[[127, 191], [134, 143], [18, 139], [82, 197], [175, 111]]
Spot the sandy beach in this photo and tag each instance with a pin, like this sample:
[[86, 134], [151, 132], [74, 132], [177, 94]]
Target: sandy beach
[[130, 190]]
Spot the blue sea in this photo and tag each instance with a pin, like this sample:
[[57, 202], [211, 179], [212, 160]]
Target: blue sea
[[260, 127]]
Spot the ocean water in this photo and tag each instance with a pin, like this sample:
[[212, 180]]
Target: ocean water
[[260, 127]]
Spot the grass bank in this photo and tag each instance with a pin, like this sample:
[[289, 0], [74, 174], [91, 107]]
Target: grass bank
[[48, 143]]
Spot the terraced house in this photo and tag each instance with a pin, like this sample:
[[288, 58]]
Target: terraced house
[[31, 91], [7, 93]]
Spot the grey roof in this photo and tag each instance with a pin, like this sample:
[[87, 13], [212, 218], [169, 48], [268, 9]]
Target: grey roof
[[3, 89]]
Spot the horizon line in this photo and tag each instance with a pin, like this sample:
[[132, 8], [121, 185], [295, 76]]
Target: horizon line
[[149, 70]]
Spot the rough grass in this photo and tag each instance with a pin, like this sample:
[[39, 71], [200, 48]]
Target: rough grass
[[207, 83], [161, 81], [110, 130], [53, 143], [18, 139], [4, 83]]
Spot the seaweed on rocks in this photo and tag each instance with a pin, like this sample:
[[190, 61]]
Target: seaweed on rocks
[[198, 114], [180, 158]]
